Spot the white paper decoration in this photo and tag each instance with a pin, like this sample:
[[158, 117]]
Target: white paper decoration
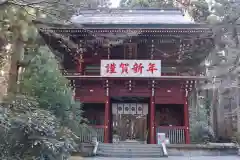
[[120, 108], [126, 108], [145, 109], [130, 108], [139, 108], [133, 108], [114, 108]]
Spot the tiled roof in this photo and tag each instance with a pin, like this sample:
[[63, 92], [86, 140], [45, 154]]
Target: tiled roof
[[124, 16]]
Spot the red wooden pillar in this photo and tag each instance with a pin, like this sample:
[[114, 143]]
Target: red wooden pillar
[[152, 130], [107, 115], [79, 67], [186, 118], [107, 109], [79, 70]]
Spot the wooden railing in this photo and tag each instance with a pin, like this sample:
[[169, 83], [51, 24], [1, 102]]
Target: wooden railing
[[175, 134], [89, 132]]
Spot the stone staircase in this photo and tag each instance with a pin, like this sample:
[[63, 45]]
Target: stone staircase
[[128, 150]]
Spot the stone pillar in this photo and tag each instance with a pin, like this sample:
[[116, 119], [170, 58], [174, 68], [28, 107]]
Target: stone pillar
[[107, 115]]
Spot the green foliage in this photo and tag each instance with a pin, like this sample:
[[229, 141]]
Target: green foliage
[[199, 10], [200, 131], [32, 128], [224, 66], [28, 132], [236, 138], [43, 80], [16, 30], [16, 22]]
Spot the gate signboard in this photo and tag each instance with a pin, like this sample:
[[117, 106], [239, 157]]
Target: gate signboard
[[131, 68]]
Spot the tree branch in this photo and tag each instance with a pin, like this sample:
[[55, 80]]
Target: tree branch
[[26, 3]]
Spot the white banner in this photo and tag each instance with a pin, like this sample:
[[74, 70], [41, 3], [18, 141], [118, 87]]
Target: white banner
[[131, 68]]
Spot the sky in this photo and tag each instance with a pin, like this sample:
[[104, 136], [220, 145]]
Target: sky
[[115, 3]]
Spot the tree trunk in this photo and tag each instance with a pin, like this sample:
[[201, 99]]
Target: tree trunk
[[4, 78], [18, 50], [238, 107]]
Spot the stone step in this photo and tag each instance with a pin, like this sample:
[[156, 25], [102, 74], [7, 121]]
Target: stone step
[[126, 154], [130, 150], [137, 148], [130, 145], [130, 156]]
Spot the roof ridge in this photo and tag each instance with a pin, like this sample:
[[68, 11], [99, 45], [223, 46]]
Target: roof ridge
[[137, 9], [131, 11]]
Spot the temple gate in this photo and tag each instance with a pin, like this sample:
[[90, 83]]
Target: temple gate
[[133, 75]]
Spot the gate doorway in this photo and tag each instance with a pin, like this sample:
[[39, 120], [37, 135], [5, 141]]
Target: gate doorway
[[129, 119]]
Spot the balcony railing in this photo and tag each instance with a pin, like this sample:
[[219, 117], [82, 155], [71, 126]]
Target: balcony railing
[[175, 134]]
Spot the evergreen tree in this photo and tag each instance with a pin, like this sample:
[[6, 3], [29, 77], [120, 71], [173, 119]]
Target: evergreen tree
[[200, 130], [222, 64], [18, 33], [43, 80], [224, 61], [199, 10]]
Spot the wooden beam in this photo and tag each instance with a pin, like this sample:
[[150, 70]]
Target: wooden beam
[[142, 78]]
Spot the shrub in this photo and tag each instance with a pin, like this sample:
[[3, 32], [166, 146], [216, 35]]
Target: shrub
[[31, 133], [236, 138]]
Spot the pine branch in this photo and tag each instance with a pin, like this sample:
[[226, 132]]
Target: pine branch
[[29, 4], [63, 39], [3, 2]]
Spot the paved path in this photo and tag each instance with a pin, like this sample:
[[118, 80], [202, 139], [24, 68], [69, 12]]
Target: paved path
[[170, 158]]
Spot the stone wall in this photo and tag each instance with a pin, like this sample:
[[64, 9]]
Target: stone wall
[[211, 149]]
